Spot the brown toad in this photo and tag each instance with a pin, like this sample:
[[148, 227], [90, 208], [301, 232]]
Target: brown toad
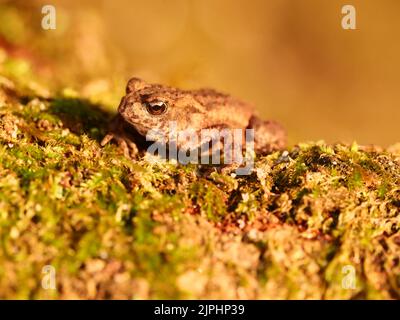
[[148, 107]]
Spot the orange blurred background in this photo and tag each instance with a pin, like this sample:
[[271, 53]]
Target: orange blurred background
[[291, 58]]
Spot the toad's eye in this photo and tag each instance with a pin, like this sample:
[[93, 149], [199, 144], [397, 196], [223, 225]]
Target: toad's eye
[[156, 108]]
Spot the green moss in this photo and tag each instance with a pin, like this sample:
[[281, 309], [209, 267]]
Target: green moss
[[209, 198], [113, 227]]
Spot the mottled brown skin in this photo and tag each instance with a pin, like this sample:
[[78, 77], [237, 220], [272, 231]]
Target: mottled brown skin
[[195, 109]]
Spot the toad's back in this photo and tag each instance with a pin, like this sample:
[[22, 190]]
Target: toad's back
[[223, 109]]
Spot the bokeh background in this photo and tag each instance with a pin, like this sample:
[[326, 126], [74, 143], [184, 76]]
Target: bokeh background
[[290, 58]]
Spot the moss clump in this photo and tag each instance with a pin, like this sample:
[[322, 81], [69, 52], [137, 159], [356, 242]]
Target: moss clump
[[115, 228]]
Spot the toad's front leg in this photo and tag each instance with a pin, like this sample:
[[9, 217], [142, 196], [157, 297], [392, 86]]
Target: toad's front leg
[[125, 141]]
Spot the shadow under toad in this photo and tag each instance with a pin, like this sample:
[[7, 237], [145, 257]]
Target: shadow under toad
[[81, 116]]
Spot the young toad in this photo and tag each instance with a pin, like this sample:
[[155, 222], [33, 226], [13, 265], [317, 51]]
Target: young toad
[[153, 106]]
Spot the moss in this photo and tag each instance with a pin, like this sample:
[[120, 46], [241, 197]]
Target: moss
[[116, 228], [209, 198]]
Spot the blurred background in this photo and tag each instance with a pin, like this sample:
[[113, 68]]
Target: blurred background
[[290, 58]]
